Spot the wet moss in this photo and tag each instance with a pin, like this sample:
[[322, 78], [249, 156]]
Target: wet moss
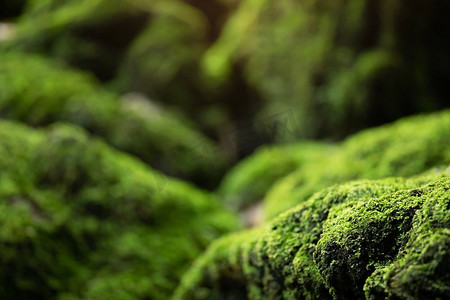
[[340, 243], [404, 148], [38, 92], [82, 220]]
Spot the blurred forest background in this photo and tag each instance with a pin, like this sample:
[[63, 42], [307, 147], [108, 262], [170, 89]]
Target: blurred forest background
[[235, 74], [189, 88]]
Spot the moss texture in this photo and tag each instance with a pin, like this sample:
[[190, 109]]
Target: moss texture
[[249, 181], [404, 148], [81, 220], [339, 66], [37, 91], [375, 239]]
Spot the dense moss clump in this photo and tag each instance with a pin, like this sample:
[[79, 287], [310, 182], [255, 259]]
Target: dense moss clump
[[366, 239], [249, 181], [81, 220], [38, 92], [404, 148], [340, 66]]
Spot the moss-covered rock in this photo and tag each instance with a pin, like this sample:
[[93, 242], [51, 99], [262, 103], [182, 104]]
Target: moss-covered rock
[[249, 181], [39, 92], [404, 148], [339, 66], [81, 220], [374, 239]]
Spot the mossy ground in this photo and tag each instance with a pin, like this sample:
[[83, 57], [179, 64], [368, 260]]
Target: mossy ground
[[371, 239], [81, 220]]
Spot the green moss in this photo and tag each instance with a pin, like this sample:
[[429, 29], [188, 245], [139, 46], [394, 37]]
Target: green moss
[[404, 148], [81, 220], [249, 181], [360, 238], [38, 92], [336, 244]]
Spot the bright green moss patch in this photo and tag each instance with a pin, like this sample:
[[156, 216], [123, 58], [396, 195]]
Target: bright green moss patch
[[249, 181], [372, 238], [81, 220], [37, 91], [405, 148]]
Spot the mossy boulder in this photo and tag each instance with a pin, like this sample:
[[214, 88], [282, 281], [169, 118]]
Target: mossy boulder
[[82, 220], [249, 181], [404, 148], [365, 239], [38, 92], [339, 66]]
